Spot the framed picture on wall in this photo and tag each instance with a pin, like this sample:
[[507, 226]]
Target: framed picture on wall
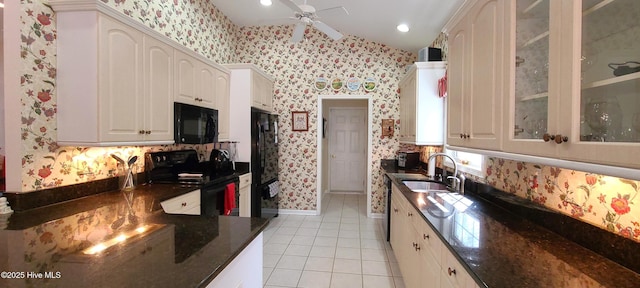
[[300, 121]]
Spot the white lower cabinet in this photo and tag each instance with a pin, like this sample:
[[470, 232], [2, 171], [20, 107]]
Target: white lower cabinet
[[245, 195], [245, 270], [423, 259]]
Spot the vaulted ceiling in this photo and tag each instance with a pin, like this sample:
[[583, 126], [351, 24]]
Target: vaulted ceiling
[[374, 20]]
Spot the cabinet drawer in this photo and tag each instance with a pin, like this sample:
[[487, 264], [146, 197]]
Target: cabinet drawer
[[183, 204], [245, 180]]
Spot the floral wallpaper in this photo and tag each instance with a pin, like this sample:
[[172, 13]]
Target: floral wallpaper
[[200, 26], [196, 24], [603, 201], [295, 68]]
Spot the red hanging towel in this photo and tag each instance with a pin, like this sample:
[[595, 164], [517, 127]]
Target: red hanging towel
[[229, 198], [442, 86]]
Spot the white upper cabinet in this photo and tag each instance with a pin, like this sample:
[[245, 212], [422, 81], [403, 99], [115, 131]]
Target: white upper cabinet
[[117, 79], [476, 77], [195, 81], [104, 96], [262, 92], [421, 110], [251, 86], [248, 84], [576, 81]]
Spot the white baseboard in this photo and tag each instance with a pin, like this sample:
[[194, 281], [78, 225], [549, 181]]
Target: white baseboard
[[297, 212], [377, 215]]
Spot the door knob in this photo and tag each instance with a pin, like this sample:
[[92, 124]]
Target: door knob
[[333, 156]]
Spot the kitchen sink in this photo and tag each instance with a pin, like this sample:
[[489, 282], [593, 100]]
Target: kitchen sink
[[425, 186]]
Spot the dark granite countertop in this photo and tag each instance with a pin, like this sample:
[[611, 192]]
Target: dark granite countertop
[[507, 250], [180, 250]]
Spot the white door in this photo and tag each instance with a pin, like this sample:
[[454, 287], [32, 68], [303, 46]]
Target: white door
[[347, 149]]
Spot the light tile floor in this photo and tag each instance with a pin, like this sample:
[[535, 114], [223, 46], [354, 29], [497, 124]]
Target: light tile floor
[[340, 248]]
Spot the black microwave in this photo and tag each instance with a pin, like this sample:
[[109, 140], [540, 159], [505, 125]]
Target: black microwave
[[194, 124]]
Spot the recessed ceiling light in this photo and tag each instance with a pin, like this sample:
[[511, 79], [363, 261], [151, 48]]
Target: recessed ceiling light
[[265, 2], [403, 28]]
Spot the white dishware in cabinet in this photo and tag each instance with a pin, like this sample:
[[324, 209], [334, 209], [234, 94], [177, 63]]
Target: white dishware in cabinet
[[588, 113]]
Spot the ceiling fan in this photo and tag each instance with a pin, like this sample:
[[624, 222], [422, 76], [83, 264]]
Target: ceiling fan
[[306, 15]]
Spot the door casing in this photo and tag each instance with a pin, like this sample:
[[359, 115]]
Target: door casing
[[319, 162]]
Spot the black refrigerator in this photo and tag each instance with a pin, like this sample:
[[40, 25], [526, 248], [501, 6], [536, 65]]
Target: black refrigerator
[[264, 164]]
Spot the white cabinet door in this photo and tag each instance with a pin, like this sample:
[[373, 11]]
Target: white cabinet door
[[476, 78], [222, 104], [245, 195], [453, 273], [262, 92], [421, 110], [120, 85], [429, 268], [458, 84], [195, 81], [207, 83], [486, 75], [186, 78], [158, 74], [407, 108], [245, 270]]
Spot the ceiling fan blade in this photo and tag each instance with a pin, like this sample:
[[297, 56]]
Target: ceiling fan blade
[[334, 8], [278, 21], [298, 33], [324, 28], [292, 5]]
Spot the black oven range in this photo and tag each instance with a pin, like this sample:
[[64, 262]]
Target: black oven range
[[182, 167]]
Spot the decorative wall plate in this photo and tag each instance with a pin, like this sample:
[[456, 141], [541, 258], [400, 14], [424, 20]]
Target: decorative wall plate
[[353, 83], [369, 84], [336, 84], [321, 83]]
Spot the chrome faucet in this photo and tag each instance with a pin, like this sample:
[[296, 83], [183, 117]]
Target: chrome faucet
[[457, 180]]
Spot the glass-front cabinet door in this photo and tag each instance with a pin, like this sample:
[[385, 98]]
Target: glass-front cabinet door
[[606, 82], [531, 70], [575, 80]]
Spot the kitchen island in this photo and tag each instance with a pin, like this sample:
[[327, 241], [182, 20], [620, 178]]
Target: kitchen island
[[99, 241], [497, 248]]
